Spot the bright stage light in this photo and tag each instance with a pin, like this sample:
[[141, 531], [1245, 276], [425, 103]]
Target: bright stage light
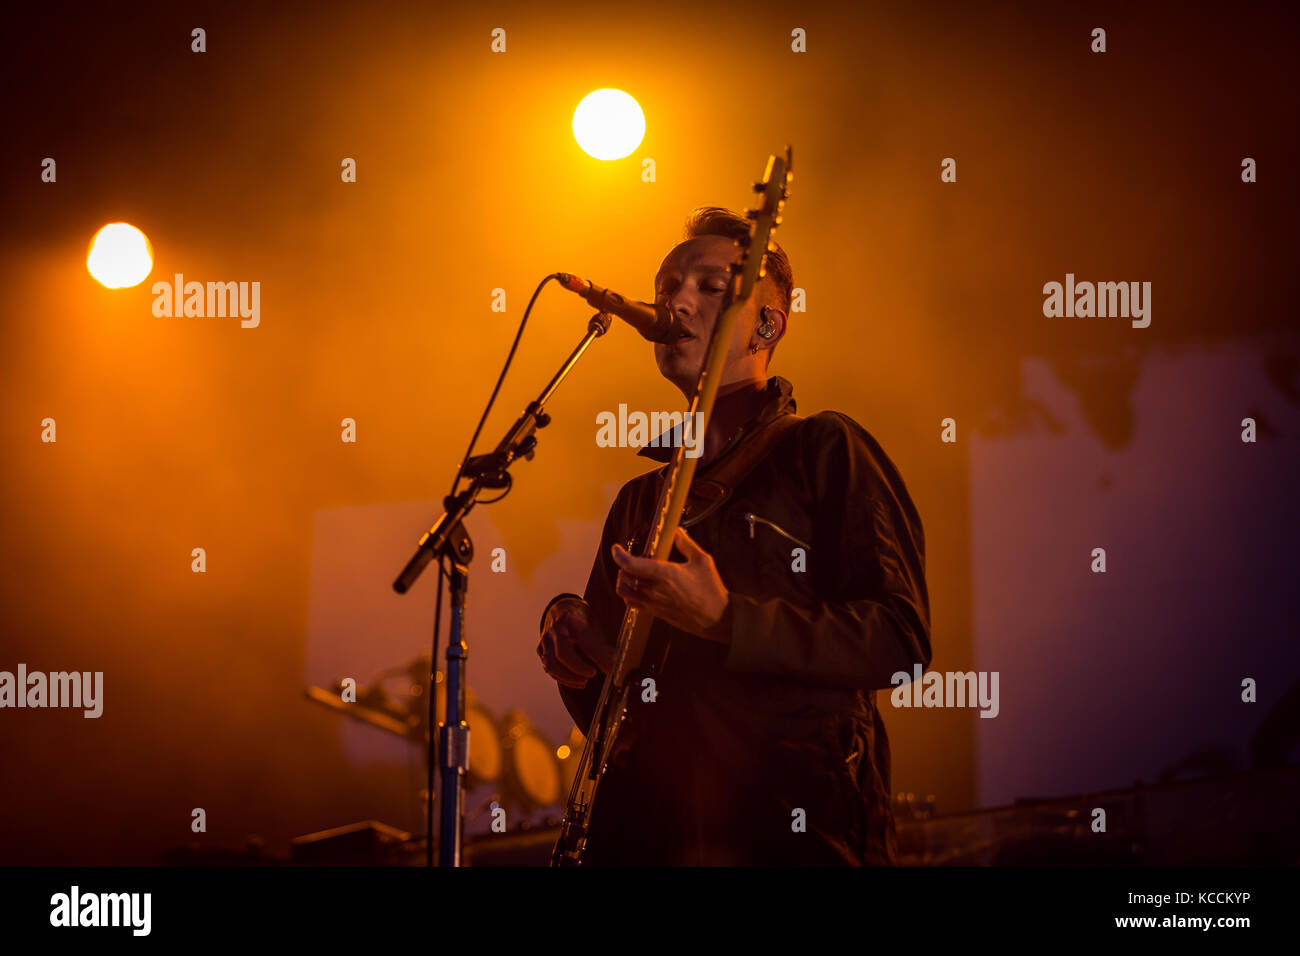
[[608, 124], [120, 256]]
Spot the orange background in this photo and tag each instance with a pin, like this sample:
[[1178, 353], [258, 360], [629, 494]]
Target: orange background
[[924, 301]]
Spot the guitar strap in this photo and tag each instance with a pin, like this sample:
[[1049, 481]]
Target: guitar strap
[[711, 490]]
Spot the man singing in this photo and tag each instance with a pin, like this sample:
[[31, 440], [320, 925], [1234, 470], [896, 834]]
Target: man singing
[[796, 601]]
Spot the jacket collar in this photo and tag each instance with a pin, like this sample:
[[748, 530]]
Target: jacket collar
[[778, 399]]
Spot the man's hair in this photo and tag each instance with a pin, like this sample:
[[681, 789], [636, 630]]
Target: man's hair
[[717, 221]]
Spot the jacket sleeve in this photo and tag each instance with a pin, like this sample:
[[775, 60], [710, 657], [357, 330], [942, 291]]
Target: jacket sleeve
[[606, 610], [874, 619]]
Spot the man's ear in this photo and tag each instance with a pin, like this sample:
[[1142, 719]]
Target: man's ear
[[774, 317]]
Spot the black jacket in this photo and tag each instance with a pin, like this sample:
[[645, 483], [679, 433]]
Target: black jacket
[[740, 737]]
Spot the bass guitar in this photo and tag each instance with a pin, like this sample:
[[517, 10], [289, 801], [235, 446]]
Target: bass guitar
[[606, 736]]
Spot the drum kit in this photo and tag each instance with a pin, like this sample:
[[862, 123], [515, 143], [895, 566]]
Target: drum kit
[[528, 772]]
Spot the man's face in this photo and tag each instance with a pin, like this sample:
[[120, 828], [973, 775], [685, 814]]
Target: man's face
[[692, 283]]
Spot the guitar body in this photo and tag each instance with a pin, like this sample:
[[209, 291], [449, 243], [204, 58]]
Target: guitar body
[[606, 738]]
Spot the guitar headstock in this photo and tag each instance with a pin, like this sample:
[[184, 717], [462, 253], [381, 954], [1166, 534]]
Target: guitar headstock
[[774, 188]]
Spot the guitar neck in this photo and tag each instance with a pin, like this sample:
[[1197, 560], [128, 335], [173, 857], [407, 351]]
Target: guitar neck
[[676, 486]]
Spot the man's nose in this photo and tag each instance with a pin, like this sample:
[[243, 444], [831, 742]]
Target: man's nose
[[675, 303]]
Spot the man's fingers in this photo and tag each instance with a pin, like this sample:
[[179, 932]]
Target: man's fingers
[[558, 642], [641, 567], [586, 642], [642, 596], [562, 675], [572, 621], [662, 609], [569, 610], [640, 589], [597, 651], [558, 671], [686, 544], [567, 654]]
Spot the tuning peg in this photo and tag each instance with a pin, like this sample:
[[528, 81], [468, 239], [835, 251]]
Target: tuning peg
[[760, 187]]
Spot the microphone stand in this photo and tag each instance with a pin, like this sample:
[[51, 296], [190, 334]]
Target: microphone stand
[[449, 539]]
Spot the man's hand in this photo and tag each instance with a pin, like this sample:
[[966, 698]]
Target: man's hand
[[570, 647], [690, 596]]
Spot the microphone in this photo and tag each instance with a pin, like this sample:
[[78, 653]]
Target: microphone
[[654, 322]]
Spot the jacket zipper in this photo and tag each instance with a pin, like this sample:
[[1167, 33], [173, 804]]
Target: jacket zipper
[[751, 518]]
